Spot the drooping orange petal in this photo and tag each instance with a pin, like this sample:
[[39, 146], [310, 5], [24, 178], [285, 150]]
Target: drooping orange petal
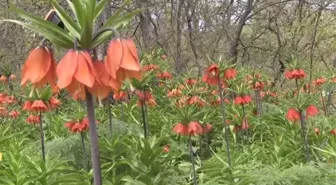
[[122, 74], [66, 69], [132, 47], [114, 84], [100, 87], [96, 73], [100, 73], [73, 87], [77, 90], [129, 61], [36, 65], [114, 57], [50, 77], [100, 91], [83, 73]]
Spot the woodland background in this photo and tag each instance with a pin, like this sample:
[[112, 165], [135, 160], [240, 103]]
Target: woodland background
[[262, 34]]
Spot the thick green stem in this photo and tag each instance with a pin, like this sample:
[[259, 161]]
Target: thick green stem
[[110, 120], [245, 122], [94, 140], [258, 102], [144, 117], [192, 157], [42, 137], [226, 133], [85, 162], [304, 135]]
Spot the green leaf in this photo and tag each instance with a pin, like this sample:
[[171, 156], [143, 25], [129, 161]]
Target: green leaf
[[43, 24], [87, 29], [46, 33], [67, 20], [115, 16], [77, 9], [99, 8], [130, 181], [120, 22]]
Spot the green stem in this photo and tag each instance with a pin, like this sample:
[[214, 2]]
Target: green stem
[[226, 133], [42, 137], [258, 102], [85, 162], [304, 135], [110, 119], [93, 139], [192, 157], [143, 117]]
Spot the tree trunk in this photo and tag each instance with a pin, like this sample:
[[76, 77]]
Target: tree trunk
[[178, 58], [190, 18], [233, 48], [145, 25]]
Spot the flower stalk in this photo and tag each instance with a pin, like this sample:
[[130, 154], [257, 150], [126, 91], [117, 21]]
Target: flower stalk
[[304, 135], [94, 140], [42, 138], [226, 132]]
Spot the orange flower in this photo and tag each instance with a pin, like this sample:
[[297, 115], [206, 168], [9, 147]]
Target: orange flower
[[258, 85], [75, 71], [3, 98], [33, 119], [230, 74], [164, 75], [293, 115], [207, 128], [39, 106], [121, 96], [149, 67], [191, 81], [196, 100], [211, 75], [55, 90], [181, 129], [242, 100], [194, 128], [3, 79], [333, 131], [311, 110], [39, 68], [27, 106], [320, 81], [3, 111], [174, 92], [14, 114], [54, 102], [10, 99], [78, 127], [122, 60], [103, 83]]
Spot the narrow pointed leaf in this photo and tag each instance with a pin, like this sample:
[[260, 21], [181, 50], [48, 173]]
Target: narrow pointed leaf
[[46, 33], [78, 10], [115, 16], [99, 8], [43, 24], [67, 20], [119, 23]]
